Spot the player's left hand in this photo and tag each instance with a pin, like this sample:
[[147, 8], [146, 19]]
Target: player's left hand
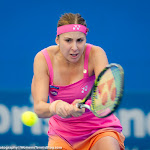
[[76, 112]]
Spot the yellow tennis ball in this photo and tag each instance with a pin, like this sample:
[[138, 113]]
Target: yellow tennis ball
[[29, 118]]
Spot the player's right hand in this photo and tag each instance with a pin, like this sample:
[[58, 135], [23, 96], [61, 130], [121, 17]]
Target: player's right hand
[[61, 108]]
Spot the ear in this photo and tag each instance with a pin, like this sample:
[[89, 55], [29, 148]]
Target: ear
[[57, 40]]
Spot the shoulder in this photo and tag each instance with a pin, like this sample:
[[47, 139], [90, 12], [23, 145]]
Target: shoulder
[[98, 59], [52, 50], [97, 54], [39, 57], [39, 63], [96, 50]]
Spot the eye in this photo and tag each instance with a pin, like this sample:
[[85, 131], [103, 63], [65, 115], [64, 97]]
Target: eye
[[68, 40], [80, 40]]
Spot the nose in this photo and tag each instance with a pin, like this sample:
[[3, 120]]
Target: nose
[[74, 46]]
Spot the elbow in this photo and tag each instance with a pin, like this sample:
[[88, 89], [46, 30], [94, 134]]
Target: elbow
[[40, 111], [37, 110]]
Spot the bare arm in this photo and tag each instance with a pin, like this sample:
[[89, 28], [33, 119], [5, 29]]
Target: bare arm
[[99, 60], [40, 87]]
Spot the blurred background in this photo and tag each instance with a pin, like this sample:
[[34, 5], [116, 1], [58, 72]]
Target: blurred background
[[121, 28]]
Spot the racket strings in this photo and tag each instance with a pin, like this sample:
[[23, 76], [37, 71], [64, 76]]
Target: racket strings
[[108, 91], [110, 103]]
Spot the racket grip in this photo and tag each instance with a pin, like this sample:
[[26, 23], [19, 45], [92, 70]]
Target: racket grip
[[80, 106]]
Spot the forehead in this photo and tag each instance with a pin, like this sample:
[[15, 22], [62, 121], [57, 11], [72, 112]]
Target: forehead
[[73, 35]]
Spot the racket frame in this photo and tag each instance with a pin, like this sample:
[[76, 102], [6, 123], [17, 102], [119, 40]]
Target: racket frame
[[94, 88]]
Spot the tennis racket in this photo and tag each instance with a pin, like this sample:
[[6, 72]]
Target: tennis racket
[[106, 92]]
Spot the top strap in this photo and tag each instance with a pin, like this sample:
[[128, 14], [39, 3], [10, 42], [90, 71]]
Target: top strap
[[48, 60], [85, 71]]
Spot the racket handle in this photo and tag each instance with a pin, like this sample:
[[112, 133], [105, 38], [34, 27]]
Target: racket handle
[[80, 106]]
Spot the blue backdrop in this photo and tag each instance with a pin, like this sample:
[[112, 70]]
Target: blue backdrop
[[121, 28]]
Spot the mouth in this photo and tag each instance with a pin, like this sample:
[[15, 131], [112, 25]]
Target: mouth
[[74, 55]]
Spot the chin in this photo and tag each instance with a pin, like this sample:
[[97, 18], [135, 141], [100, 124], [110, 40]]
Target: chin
[[73, 60]]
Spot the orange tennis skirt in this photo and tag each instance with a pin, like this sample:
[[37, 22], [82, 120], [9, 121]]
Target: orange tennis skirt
[[58, 143]]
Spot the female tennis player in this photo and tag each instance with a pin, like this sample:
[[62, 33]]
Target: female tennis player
[[66, 73]]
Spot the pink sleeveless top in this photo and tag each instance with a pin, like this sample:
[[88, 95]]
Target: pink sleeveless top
[[76, 129]]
